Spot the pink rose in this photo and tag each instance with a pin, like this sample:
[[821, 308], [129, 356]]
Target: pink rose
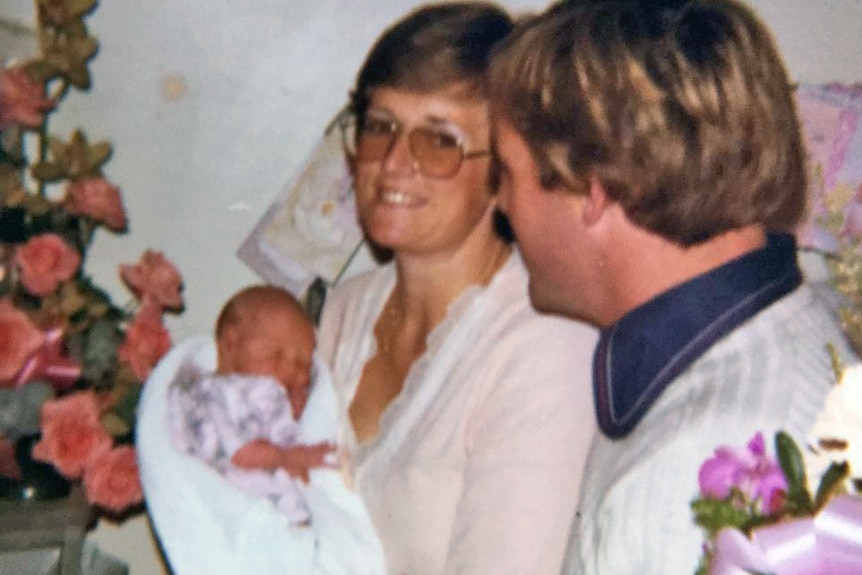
[[155, 277], [22, 101], [96, 198], [146, 341], [19, 339], [45, 261], [72, 436], [113, 481]]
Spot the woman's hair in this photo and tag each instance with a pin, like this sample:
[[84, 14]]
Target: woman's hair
[[681, 109], [431, 48]]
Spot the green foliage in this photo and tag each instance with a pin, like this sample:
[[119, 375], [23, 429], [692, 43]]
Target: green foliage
[[98, 347], [798, 501], [65, 42], [19, 409], [831, 483], [715, 514], [126, 409], [74, 159]]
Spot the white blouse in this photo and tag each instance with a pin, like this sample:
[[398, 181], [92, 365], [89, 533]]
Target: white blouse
[[478, 462]]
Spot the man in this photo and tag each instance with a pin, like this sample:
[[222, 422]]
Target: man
[[651, 165]]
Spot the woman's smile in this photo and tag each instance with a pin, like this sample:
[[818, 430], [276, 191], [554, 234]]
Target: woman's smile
[[399, 198], [402, 208]]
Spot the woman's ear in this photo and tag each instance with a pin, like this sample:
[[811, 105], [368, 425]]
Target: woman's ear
[[596, 202], [351, 165]]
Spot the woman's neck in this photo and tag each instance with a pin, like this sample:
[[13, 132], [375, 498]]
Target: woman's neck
[[424, 289], [427, 284]]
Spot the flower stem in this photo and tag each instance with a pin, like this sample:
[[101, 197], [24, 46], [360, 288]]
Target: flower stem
[[44, 146]]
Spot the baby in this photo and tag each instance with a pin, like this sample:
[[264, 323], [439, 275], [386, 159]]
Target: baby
[[243, 419]]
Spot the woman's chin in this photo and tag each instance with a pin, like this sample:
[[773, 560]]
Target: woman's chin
[[389, 237], [386, 243]]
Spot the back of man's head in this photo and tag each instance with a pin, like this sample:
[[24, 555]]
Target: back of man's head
[[682, 110]]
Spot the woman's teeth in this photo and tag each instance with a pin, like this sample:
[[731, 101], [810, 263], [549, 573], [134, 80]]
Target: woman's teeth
[[400, 198]]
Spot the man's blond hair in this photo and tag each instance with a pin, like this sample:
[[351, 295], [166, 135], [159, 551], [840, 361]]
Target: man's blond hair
[[681, 109]]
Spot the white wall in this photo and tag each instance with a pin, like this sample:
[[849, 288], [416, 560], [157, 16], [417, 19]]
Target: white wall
[[212, 105]]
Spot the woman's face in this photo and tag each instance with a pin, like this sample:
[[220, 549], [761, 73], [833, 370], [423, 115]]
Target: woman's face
[[408, 212]]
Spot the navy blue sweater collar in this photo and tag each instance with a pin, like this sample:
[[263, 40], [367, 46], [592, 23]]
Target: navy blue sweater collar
[[640, 355]]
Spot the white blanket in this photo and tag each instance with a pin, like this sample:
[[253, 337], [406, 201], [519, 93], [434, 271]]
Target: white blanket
[[208, 526]]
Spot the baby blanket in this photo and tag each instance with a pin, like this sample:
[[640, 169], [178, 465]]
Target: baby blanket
[[208, 526]]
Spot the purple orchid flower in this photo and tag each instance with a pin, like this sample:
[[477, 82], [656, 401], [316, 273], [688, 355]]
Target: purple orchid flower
[[756, 475]]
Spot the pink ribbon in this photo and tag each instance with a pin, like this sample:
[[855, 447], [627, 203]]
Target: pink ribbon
[[50, 363], [828, 544]]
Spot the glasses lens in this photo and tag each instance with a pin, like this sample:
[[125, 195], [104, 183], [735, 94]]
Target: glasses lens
[[438, 153], [369, 141], [374, 139]]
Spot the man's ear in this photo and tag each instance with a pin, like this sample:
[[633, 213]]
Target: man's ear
[[596, 202]]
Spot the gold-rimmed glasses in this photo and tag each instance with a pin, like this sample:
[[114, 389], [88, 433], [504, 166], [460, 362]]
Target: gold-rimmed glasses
[[437, 153]]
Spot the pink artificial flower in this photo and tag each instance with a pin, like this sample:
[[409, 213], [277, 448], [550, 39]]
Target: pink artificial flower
[[19, 339], [113, 481], [96, 198], [751, 471], [154, 276], [146, 341], [22, 101], [45, 261], [51, 363], [72, 436]]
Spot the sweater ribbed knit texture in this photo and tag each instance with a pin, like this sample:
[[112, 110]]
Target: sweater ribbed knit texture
[[771, 373]]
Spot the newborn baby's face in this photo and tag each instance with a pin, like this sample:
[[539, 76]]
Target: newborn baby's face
[[273, 348]]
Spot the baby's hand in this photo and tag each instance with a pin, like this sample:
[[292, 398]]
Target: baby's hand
[[296, 460], [300, 459], [257, 454]]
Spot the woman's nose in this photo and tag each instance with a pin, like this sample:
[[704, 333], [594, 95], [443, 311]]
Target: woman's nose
[[399, 159]]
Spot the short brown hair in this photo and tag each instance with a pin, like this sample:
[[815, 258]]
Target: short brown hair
[[432, 48], [681, 109]]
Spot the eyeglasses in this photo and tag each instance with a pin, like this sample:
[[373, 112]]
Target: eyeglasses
[[436, 152]]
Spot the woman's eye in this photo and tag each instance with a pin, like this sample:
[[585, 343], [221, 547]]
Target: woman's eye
[[378, 127], [443, 139]]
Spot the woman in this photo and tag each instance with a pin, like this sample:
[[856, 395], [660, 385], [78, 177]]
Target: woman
[[468, 415]]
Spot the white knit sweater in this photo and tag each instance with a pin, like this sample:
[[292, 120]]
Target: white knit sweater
[[771, 373]]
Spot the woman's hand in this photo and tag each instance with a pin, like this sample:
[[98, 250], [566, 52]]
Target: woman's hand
[[297, 461]]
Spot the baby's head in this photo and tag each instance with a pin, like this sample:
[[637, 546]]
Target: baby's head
[[263, 330]]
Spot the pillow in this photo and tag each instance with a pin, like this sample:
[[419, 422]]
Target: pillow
[[831, 117]]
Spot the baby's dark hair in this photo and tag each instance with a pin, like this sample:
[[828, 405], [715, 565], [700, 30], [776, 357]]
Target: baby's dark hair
[[249, 301]]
